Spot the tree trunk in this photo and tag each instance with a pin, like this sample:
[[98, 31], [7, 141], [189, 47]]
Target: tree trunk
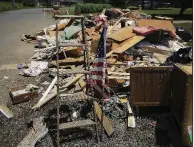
[[13, 3], [182, 10], [151, 4], [142, 4]]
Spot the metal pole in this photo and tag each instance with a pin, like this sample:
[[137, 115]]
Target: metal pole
[[102, 114], [58, 102]]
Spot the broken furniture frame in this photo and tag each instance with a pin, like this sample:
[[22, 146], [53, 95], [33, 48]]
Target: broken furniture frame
[[80, 123]]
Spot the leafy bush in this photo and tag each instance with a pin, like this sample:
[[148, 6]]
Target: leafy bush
[[29, 3], [91, 8], [119, 3], [6, 6]]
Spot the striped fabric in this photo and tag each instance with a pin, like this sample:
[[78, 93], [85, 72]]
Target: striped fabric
[[98, 71]]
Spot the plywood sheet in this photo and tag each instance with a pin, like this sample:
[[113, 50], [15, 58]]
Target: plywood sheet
[[122, 34], [160, 24], [128, 43]]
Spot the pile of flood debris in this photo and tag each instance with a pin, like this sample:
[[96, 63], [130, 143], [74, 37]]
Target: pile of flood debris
[[133, 39]]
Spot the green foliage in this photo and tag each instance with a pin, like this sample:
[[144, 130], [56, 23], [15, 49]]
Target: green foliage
[[29, 3], [91, 8], [119, 3], [6, 6]]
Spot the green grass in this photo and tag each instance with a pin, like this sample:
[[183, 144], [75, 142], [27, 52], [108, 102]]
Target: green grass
[[171, 11], [189, 27], [91, 7], [70, 9], [7, 6]]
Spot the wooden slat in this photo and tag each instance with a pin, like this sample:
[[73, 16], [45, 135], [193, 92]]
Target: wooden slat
[[68, 16], [106, 122], [122, 34], [71, 44], [6, 111], [160, 24], [76, 124]]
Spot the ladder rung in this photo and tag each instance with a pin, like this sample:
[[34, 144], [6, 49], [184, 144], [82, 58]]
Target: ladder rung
[[80, 96], [76, 124], [71, 44], [68, 16], [76, 72]]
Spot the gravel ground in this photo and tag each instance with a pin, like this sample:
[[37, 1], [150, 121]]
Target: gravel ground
[[12, 131]]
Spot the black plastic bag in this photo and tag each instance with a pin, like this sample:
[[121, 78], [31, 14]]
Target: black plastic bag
[[183, 55], [184, 34]]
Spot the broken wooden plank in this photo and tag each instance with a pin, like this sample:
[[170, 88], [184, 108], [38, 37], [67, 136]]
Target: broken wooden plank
[[160, 24], [20, 94], [126, 45], [48, 90], [50, 95], [73, 81], [122, 34], [106, 122], [129, 43], [68, 61], [131, 118], [6, 111], [82, 84], [118, 73], [119, 78], [38, 131], [112, 27]]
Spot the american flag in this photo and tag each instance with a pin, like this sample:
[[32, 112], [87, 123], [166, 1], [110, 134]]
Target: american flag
[[98, 71]]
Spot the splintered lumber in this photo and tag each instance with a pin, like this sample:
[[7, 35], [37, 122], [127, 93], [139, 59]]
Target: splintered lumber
[[50, 95], [6, 111], [20, 94], [131, 118], [45, 49], [126, 45], [160, 24], [68, 61], [49, 89], [129, 43], [36, 133], [73, 81], [119, 78], [122, 34], [106, 122], [119, 73], [82, 84], [115, 25]]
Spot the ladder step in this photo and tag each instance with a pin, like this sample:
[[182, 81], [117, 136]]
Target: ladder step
[[68, 16], [71, 44], [80, 96], [76, 124]]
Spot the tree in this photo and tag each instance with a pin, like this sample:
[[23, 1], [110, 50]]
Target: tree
[[119, 3], [184, 5], [13, 3]]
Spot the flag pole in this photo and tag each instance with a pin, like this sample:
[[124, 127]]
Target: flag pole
[[103, 86]]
